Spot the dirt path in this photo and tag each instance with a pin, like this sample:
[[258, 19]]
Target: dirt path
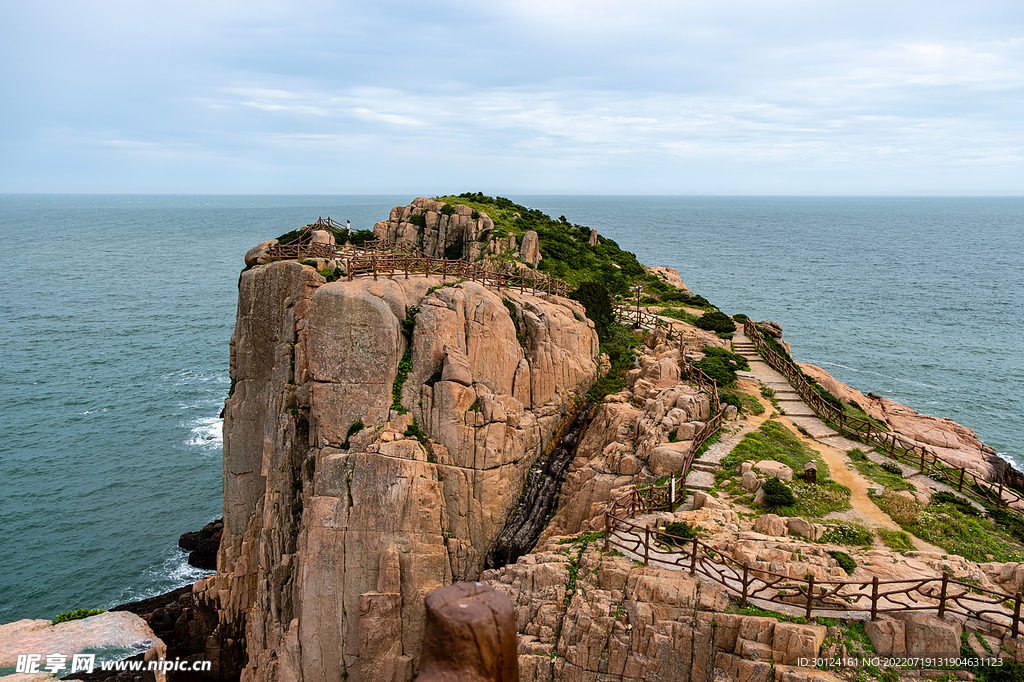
[[864, 510]]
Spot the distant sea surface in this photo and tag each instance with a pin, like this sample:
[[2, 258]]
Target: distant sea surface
[[116, 312]]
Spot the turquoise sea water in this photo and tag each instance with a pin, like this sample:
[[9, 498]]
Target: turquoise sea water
[[116, 313]]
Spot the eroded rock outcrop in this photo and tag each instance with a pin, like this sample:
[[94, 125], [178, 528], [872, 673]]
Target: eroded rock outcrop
[[344, 508], [442, 230]]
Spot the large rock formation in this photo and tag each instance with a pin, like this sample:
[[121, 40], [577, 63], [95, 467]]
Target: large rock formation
[[342, 511], [441, 230]]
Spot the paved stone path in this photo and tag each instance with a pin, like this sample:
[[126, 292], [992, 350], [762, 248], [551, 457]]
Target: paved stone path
[[830, 445]]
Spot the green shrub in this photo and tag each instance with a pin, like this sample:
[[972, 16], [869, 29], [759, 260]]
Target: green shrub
[[731, 399], [76, 615], [289, 237], [676, 530], [454, 251], [419, 220], [358, 238], [777, 494], [962, 505], [620, 347], [716, 321], [356, 427], [716, 352], [404, 367], [598, 305], [893, 468], [896, 540], [844, 560], [852, 534], [857, 455]]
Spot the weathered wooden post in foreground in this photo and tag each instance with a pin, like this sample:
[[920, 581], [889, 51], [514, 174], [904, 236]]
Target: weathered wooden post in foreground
[[469, 636]]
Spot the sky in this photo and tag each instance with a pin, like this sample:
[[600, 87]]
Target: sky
[[771, 97]]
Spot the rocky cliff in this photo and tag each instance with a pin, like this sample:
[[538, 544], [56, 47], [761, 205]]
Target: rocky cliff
[[375, 441], [444, 230]]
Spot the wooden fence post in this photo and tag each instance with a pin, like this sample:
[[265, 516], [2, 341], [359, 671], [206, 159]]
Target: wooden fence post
[[810, 595], [960, 485], [647, 542], [942, 595], [743, 594], [607, 526], [874, 598], [693, 558], [1016, 615], [999, 495]]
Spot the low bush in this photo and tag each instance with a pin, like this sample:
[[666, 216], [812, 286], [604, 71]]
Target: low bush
[[716, 321], [852, 534], [777, 494], [356, 427], [678, 530], [962, 505], [598, 305], [358, 238], [893, 468], [76, 615], [844, 560]]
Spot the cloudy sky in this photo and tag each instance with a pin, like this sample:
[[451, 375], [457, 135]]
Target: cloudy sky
[[513, 96]]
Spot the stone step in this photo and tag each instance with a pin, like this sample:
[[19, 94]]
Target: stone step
[[699, 480], [704, 466], [814, 426], [795, 408], [845, 444]]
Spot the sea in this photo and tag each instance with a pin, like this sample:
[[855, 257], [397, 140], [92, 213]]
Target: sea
[[116, 313]]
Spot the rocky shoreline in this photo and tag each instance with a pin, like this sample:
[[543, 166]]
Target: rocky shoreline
[[381, 434]]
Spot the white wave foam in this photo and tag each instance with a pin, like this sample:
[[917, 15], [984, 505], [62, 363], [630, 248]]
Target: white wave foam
[[171, 573], [206, 432]]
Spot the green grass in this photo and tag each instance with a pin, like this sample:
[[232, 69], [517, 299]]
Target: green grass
[[679, 314], [851, 534], [754, 611], [945, 525], [774, 442], [876, 473], [746, 404], [896, 540], [815, 501]]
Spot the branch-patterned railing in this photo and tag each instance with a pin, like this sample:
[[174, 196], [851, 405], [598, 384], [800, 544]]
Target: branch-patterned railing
[[377, 260], [893, 445], [754, 581]]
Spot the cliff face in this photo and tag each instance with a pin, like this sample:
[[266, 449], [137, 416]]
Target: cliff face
[[334, 531]]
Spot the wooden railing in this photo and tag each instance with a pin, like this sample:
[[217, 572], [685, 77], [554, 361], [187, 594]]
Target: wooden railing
[[836, 598], [664, 496], [891, 444], [376, 259], [641, 318]]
